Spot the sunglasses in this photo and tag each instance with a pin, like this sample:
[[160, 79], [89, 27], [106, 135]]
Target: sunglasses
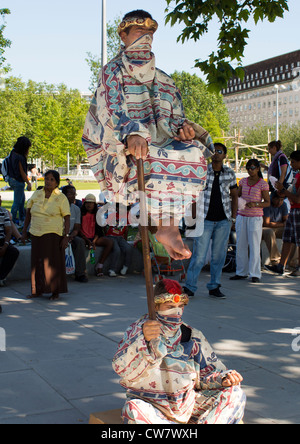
[[219, 152], [252, 168]]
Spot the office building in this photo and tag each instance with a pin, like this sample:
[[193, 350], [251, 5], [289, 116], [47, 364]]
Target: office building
[[267, 85]]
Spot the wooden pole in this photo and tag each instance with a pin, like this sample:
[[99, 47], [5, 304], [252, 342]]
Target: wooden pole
[[145, 240]]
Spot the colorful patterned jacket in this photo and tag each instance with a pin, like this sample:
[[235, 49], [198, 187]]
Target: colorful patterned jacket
[[168, 374]]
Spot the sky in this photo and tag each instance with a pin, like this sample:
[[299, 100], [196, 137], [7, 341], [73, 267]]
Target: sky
[[50, 39]]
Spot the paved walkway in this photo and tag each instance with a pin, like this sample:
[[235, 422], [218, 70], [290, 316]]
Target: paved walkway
[[57, 363]]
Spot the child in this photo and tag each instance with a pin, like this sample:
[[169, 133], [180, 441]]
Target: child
[[118, 234], [92, 233], [249, 224], [291, 233]]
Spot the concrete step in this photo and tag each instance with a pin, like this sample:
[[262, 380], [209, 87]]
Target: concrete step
[[22, 269]]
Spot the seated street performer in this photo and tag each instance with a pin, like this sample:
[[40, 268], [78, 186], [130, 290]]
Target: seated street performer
[[170, 371], [136, 113]]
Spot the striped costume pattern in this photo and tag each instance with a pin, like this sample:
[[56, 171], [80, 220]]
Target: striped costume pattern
[[169, 380], [135, 98]]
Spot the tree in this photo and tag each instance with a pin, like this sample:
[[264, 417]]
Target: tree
[[57, 117], [51, 116], [233, 35], [4, 43], [201, 105], [113, 47], [289, 135], [13, 115], [211, 124]]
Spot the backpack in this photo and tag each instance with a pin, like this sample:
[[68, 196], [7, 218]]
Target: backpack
[[289, 177], [230, 262], [5, 168]]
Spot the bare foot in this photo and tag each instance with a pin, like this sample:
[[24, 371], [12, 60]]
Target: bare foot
[[171, 239]]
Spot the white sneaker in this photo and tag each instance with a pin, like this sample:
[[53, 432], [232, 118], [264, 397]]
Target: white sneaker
[[124, 270], [296, 272], [112, 273]]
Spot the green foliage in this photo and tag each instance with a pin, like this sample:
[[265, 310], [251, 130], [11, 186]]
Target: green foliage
[[4, 43], [200, 105], [289, 135], [232, 15], [51, 116]]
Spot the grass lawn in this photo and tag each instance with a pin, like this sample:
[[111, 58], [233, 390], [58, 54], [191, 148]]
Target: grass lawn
[[93, 185]]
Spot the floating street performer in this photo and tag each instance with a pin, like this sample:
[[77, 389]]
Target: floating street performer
[[137, 113], [171, 373]]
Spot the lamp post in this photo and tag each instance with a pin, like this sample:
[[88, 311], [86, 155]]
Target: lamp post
[[104, 35], [277, 108]]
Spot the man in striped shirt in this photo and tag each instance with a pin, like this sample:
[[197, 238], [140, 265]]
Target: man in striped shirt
[[220, 209]]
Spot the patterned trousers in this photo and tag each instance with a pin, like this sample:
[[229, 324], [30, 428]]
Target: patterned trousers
[[224, 406]]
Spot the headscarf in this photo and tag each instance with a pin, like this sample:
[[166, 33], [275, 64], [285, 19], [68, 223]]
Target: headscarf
[[139, 61]]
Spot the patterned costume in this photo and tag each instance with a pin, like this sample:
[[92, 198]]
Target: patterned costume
[[176, 378], [136, 98]]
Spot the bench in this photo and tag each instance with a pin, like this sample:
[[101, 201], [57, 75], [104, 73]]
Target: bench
[[22, 269]]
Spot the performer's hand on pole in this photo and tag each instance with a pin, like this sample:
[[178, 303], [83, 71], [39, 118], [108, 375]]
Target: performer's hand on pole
[[151, 330], [185, 133], [232, 378], [137, 146]]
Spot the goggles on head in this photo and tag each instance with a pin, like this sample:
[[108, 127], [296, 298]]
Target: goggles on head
[[167, 297], [135, 21]]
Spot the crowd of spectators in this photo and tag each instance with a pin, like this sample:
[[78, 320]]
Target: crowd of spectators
[[255, 209]]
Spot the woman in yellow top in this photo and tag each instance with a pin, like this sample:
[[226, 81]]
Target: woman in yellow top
[[48, 212]]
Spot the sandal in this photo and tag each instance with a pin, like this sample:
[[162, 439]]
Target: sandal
[[54, 297]]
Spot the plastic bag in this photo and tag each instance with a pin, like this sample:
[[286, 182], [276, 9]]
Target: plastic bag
[[70, 261]]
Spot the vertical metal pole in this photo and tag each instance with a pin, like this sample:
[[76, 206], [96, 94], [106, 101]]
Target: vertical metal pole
[[277, 114], [68, 162], [104, 35]]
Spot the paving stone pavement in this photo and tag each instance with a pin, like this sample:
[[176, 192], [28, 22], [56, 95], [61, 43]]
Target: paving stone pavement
[[57, 363]]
